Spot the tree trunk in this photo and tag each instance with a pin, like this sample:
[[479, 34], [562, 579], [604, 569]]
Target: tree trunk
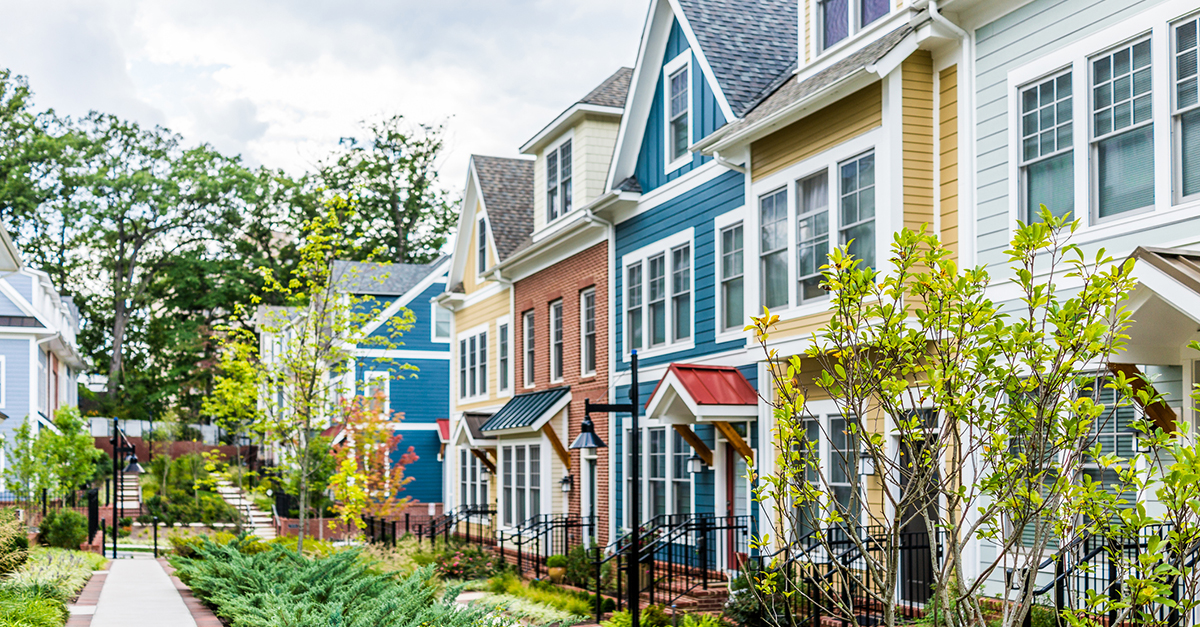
[[303, 491], [120, 321]]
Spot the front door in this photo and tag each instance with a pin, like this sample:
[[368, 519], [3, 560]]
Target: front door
[[737, 507]]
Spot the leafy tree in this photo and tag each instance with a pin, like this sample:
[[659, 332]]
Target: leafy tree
[[401, 213], [368, 480], [979, 422], [55, 459]]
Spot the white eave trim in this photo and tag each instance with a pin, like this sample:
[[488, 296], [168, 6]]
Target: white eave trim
[[565, 119], [671, 389]]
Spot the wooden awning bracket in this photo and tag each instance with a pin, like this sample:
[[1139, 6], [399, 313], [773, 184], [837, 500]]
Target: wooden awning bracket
[[736, 441], [484, 459], [557, 444], [1163, 416], [698, 445]]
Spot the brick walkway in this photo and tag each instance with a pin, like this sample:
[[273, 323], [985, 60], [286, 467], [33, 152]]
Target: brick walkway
[[83, 607], [137, 593], [201, 614]]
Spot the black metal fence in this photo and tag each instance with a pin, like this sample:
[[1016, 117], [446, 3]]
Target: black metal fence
[[541, 536]]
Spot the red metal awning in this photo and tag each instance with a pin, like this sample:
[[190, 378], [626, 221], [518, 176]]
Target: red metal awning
[[711, 385], [443, 425]]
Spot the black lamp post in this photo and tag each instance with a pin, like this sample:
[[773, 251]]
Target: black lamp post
[[120, 447], [635, 496]]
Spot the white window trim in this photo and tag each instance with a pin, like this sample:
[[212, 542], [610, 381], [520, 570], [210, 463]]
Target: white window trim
[[568, 136], [482, 391], [1093, 161], [670, 67], [583, 333], [512, 357], [544, 502], [370, 377], [3, 381], [433, 311], [1176, 125], [481, 222], [721, 223], [562, 367], [669, 493], [823, 411], [817, 46], [829, 161], [663, 246], [480, 484], [528, 366], [1158, 22]]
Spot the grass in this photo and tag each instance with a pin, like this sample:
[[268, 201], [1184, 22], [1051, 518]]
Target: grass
[[36, 594], [511, 585], [528, 610]]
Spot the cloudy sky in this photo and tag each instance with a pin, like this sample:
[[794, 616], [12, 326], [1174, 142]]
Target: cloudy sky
[[279, 81]]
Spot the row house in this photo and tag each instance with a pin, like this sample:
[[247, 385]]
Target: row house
[[754, 137]]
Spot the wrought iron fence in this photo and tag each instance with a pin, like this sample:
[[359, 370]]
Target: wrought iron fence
[[538, 537]]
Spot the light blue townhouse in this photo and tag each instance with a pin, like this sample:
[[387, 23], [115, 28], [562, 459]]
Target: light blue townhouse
[[677, 215], [412, 369]]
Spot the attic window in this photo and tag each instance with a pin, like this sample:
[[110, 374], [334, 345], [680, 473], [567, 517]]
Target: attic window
[[839, 18], [558, 181], [481, 252], [678, 115]]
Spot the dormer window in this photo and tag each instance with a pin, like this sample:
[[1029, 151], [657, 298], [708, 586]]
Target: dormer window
[[558, 181], [839, 18]]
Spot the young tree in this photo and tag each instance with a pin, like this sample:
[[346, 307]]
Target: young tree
[[368, 480], [980, 423], [306, 351]]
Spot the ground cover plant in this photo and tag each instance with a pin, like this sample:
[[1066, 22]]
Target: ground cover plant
[[35, 595], [282, 588]]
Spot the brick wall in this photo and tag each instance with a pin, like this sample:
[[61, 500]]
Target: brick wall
[[567, 280]]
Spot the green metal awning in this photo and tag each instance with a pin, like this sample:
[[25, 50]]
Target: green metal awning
[[528, 411]]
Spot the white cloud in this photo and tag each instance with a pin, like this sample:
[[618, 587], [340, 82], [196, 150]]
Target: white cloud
[[280, 81]]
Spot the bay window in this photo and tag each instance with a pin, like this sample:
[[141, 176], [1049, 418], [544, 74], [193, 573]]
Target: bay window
[[772, 212], [857, 207], [1122, 131], [732, 297], [1047, 157]]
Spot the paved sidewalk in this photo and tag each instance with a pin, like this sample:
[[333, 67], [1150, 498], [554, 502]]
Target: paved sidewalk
[[138, 593]]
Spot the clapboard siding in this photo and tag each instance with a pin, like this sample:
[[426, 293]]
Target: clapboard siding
[[23, 283], [707, 117], [948, 156], [916, 75], [1014, 40], [420, 336], [426, 471], [485, 311], [846, 119], [9, 308], [16, 383], [694, 209]]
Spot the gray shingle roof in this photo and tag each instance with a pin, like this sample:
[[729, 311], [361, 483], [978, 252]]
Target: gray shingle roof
[[612, 92], [793, 90], [379, 279], [748, 43], [474, 422], [507, 188], [524, 409]]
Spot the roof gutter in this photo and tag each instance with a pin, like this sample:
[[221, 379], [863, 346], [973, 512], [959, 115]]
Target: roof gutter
[[728, 164]]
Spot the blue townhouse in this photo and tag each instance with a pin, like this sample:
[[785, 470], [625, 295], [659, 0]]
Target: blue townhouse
[[412, 369], [677, 218]]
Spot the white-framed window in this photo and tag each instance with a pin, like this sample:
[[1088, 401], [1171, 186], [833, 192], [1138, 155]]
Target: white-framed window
[[472, 485], [377, 390], [472, 365], [732, 278], [812, 235], [441, 323], [558, 181], [681, 292], [522, 482], [1047, 155], [668, 484], [481, 247], [772, 246], [677, 109], [503, 358], [1186, 112], [633, 306], [681, 479], [1122, 139], [856, 207], [837, 19], [662, 273], [656, 474], [587, 330], [530, 334], [556, 341]]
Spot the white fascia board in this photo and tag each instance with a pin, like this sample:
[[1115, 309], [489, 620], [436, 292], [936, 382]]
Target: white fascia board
[[642, 85], [668, 390], [466, 216], [25, 306], [535, 257], [1171, 291], [406, 298], [565, 120], [10, 257]]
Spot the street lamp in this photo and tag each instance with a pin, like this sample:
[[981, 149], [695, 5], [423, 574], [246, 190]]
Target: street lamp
[[587, 440], [134, 466]]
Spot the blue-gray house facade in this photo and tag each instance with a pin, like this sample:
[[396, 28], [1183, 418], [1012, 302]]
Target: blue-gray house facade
[[410, 369]]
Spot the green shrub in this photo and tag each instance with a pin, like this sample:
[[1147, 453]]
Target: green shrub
[[55, 573], [20, 607], [186, 546], [652, 616], [556, 561], [280, 587], [65, 529], [580, 569], [607, 605], [466, 563]]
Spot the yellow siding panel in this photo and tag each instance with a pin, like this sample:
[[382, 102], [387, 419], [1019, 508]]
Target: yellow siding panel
[[807, 7], [948, 149], [470, 282], [916, 74], [848, 118], [803, 327], [486, 311]]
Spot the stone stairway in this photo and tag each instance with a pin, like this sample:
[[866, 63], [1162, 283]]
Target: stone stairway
[[261, 522], [131, 495]]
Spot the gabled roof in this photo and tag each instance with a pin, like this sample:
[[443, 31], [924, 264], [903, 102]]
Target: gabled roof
[[507, 189], [1181, 265], [379, 279], [711, 385], [612, 92], [748, 43], [474, 421], [528, 410], [443, 426], [791, 91]]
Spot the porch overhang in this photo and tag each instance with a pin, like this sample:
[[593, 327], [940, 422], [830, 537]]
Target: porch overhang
[[526, 413], [692, 393], [468, 430]]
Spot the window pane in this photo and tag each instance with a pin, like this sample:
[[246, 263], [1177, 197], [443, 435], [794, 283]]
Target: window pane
[[873, 10], [1051, 182], [503, 357], [657, 473], [678, 113], [1121, 89], [681, 292], [812, 235], [835, 21], [774, 268], [1190, 151], [1126, 172], [858, 207], [658, 323], [473, 369], [483, 363], [508, 485], [773, 243], [732, 304], [535, 481], [657, 298], [732, 292]]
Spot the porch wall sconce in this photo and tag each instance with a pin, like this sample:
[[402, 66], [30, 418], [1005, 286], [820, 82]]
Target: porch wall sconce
[[866, 464], [695, 464], [567, 482], [484, 473]]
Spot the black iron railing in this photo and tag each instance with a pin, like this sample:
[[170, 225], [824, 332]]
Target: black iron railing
[[538, 537]]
